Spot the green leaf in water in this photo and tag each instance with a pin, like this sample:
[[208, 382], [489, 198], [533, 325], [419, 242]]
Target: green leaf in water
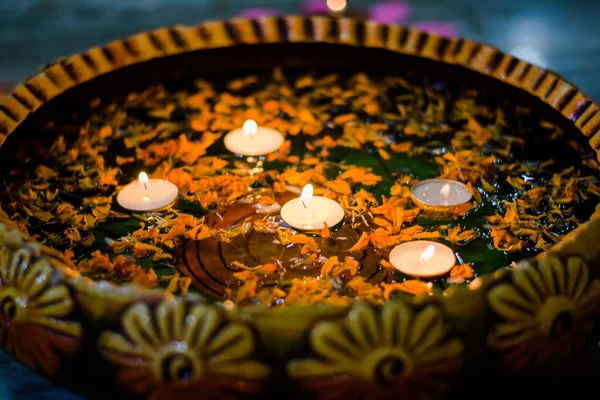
[[419, 167], [161, 269], [194, 208], [146, 262], [276, 165], [298, 146], [117, 228], [111, 229], [483, 257], [99, 244], [474, 219]]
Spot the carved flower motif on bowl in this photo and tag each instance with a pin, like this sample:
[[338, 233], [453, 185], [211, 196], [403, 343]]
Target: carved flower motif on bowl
[[178, 350], [34, 307], [399, 351], [545, 313]]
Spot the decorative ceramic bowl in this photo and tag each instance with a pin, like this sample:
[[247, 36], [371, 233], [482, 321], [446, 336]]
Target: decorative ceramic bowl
[[532, 321]]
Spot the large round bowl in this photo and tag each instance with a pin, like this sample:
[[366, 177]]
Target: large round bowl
[[101, 339]]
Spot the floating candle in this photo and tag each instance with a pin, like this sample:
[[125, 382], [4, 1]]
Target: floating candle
[[253, 140], [147, 194], [440, 197], [309, 212], [422, 258]]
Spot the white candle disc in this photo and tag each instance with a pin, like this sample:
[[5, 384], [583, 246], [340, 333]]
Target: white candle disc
[[320, 210], [264, 141], [423, 258], [441, 192], [161, 193]]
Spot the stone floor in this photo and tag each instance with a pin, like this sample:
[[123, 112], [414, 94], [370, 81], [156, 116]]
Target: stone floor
[[561, 35]]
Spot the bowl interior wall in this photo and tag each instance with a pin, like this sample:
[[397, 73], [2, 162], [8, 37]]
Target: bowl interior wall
[[224, 62]]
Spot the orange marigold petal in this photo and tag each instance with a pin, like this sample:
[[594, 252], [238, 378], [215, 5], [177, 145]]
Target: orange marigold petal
[[339, 186], [361, 243], [411, 286], [463, 271], [328, 266]]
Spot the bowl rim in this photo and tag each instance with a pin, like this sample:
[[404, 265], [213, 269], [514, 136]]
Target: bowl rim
[[100, 324], [65, 73]]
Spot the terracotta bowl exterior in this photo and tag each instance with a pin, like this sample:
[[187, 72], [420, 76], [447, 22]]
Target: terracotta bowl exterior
[[101, 339]]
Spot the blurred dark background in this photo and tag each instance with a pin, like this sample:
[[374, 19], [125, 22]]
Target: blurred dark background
[[561, 35]]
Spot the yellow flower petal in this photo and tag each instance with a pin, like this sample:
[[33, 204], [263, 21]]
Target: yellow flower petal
[[396, 320], [329, 340], [363, 326]]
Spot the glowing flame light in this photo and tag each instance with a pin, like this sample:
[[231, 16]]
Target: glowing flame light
[[305, 198], [445, 191], [306, 195], [427, 254], [250, 127], [336, 6], [145, 183]]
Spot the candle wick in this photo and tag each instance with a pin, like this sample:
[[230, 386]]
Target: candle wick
[[309, 214], [250, 134]]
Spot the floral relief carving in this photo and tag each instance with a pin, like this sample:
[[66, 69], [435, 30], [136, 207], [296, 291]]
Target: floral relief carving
[[34, 306], [399, 351], [179, 350], [545, 313]]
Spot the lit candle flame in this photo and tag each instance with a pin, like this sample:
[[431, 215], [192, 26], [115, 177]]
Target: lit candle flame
[[305, 198], [250, 127], [427, 254], [145, 183], [444, 193], [336, 6], [306, 195]]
